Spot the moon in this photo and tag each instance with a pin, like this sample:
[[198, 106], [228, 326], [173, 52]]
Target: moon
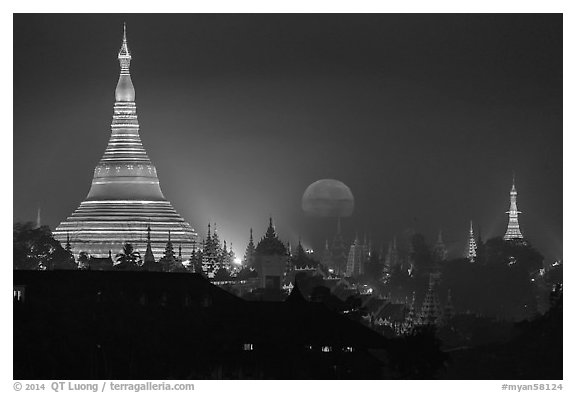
[[328, 198]]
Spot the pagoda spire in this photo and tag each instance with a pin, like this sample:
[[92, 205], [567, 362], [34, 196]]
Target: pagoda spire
[[124, 54], [439, 252], [250, 251], [471, 254], [149, 255], [68, 246], [125, 89], [270, 232], [431, 312], [513, 230]]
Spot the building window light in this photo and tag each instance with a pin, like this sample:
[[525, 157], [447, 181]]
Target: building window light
[[348, 349], [326, 348], [248, 347]]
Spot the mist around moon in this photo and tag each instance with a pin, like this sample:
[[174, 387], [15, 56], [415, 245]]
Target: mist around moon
[[328, 198]]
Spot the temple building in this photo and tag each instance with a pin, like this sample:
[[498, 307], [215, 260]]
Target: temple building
[[513, 230], [271, 257], [356, 259], [125, 198], [431, 311]]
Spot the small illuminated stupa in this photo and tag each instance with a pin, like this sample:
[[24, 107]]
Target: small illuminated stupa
[[513, 230], [125, 197]]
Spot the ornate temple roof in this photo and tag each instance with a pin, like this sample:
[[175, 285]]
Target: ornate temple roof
[[270, 244]]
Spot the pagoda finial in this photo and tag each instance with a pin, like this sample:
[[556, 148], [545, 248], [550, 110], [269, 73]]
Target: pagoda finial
[[125, 89], [124, 52], [271, 232]]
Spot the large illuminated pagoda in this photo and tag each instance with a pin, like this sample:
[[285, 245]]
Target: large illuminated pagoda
[[125, 197]]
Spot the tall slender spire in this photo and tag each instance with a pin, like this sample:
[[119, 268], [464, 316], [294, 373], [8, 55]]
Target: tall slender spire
[[125, 89], [124, 54], [439, 251], [68, 246], [149, 255], [513, 230], [250, 250], [471, 254], [270, 232]]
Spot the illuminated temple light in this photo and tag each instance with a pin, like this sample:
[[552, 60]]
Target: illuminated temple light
[[125, 196]]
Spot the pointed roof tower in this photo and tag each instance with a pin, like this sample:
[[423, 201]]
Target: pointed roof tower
[[513, 230], [149, 255], [471, 252], [271, 231], [68, 246], [270, 244], [439, 251], [431, 312], [250, 250]]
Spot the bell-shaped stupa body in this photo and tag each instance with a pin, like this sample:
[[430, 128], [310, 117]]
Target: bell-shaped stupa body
[[125, 196]]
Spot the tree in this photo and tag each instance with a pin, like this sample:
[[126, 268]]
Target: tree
[[36, 248], [128, 259], [520, 253], [222, 275], [83, 261]]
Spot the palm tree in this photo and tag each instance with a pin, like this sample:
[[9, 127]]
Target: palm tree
[[128, 259]]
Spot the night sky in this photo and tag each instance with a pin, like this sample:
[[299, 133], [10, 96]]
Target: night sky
[[424, 117]]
